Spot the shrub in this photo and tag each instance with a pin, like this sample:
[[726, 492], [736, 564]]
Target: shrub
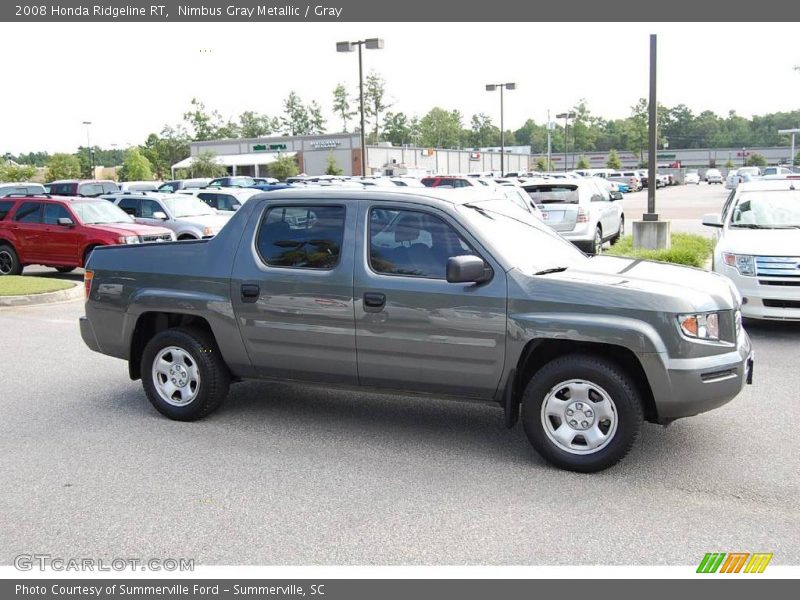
[[686, 249]]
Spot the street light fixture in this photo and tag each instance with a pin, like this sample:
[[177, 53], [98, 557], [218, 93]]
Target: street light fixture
[[566, 116], [370, 44], [89, 149], [491, 87]]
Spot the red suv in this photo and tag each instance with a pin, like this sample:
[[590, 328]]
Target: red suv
[[81, 187], [62, 232]]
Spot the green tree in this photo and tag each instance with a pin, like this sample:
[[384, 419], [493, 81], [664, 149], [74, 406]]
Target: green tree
[[316, 122], [583, 162], [796, 159], [136, 167], [333, 167], [613, 161], [756, 160], [441, 128], [253, 124], [729, 164], [543, 164], [483, 132], [12, 172], [205, 164], [166, 149], [396, 128], [295, 119], [341, 105], [285, 166], [375, 101], [63, 166], [201, 123]]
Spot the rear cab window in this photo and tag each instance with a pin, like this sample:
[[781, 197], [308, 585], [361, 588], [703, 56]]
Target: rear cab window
[[301, 237]]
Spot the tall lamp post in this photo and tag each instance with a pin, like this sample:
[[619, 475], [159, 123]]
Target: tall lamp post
[[89, 148], [369, 44], [792, 131], [566, 116], [491, 87]]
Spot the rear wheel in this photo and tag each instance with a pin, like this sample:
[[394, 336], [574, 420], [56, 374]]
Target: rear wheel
[[597, 242], [9, 261], [621, 231], [582, 413], [183, 374]]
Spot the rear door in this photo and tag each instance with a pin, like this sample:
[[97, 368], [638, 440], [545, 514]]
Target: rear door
[[27, 222], [414, 330], [292, 290]]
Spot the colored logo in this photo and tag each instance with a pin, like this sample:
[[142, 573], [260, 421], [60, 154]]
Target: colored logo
[[734, 562]]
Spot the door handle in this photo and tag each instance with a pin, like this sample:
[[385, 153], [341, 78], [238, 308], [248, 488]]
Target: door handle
[[250, 292], [374, 301]]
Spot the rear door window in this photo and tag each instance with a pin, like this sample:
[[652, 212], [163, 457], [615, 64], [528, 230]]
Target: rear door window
[[302, 237], [130, 206], [29, 212], [5, 208]]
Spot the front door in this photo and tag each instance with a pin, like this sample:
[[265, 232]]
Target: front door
[[414, 330], [292, 291]]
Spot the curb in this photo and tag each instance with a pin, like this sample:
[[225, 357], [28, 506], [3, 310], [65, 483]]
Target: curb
[[73, 293]]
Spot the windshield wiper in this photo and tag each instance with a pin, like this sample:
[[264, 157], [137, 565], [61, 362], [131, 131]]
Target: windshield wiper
[[785, 227], [748, 226], [480, 211], [553, 270]]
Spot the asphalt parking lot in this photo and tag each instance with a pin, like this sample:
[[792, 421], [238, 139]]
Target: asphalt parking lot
[[287, 474]]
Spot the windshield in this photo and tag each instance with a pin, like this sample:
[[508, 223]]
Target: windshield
[[187, 206], [520, 238], [767, 210], [553, 194], [94, 213]]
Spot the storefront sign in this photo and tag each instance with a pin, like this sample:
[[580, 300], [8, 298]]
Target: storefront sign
[[265, 147], [326, 143]]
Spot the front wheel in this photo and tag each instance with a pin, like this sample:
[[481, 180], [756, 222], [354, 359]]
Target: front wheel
[[9, 261], [582, 413], [183, 374]]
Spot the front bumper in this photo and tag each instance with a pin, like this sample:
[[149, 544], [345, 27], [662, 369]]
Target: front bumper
[[696, 385], [762, 301], [87, 333]]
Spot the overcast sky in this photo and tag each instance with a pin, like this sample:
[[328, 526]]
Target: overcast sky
[[131, 78]]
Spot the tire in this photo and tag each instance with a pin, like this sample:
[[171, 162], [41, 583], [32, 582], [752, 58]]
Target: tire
[[621, 231], [596, 246], [65, 269], [184, 355], [9, 261], [612, 424]]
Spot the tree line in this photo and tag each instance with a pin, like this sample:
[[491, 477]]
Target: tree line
[[678, 128]]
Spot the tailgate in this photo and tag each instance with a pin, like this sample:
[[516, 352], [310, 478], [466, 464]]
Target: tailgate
[[561, 217]]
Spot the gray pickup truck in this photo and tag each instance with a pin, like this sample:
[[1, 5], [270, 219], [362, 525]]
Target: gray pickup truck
[[432, 292]]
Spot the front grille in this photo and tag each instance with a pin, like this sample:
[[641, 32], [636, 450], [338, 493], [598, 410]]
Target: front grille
[[781, 303], [778, 266], [790, 282], [165, 237]]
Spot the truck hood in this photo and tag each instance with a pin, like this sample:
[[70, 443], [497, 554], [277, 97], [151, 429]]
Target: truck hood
[[637, 284], [129, 229], [761, 242]]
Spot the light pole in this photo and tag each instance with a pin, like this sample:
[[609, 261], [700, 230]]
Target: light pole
[[744, 153], [792, 131], [490, 87], [89, 149], [549, 147], [370, 44], [566, 116]]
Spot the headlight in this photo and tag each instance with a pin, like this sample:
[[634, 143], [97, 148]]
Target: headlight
[[209, 231], [703, 326], [129, 239], [744, 263]]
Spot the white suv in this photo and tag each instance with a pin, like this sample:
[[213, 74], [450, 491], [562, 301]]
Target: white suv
[[581, 210], [758, 247]]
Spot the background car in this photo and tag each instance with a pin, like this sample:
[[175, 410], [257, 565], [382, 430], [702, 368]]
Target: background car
[[758, 247], [224, 200], [741, 175], [89, 188], [580, 210], [182, 184], [139, 186], [691, 178], [232, 181], [61, 232], [188, 217], [714, 176], [21, 188]]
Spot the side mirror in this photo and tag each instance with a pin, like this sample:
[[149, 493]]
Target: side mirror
[[712, 220], [465, 269], [615, 195], [65, 221], [160, 215]]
